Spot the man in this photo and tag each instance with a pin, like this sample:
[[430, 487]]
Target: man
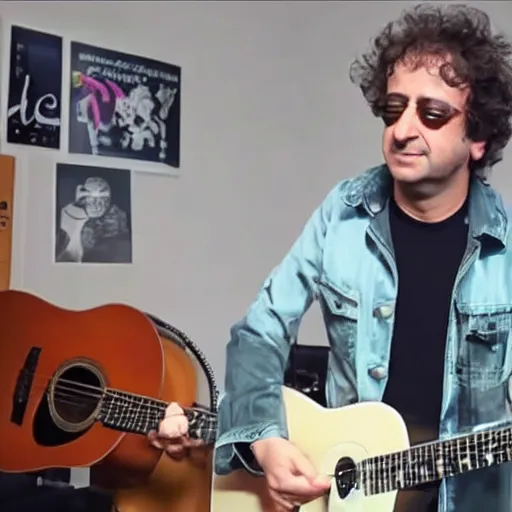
[[411, 263]]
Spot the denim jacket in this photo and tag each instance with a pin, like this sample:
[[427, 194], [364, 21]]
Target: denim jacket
[[344, 259]]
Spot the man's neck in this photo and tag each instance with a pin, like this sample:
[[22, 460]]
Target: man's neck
[[436, 207]]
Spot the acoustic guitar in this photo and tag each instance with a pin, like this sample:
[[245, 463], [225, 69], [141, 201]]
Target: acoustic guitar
[[365, 450], [83, 389]]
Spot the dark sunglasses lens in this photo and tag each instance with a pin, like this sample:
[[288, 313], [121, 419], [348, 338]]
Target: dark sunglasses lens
[[391, 114], [433, 119], [392, 108], [390, 120]]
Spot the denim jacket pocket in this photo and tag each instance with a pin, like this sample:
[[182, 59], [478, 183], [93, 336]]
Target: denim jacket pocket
[[341, 311], [484, 334]]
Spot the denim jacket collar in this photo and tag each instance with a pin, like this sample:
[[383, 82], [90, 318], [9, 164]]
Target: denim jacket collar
[[487, 215]]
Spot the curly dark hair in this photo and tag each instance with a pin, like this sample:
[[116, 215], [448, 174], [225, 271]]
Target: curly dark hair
[[478, 59]]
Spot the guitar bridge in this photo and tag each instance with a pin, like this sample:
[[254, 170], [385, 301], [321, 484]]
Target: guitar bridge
[[24, 386]]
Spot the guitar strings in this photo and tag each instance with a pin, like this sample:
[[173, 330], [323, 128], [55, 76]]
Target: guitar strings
[[98, 393]]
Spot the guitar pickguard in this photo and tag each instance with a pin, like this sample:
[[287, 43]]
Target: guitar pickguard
[[24, 386]]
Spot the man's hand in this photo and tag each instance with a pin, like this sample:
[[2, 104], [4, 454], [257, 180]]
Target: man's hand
[[291, 477], [172, 436]]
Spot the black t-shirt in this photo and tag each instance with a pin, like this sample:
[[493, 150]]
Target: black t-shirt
[[428, 256]]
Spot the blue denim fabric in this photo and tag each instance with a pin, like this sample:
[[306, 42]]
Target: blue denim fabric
[[344, 259]]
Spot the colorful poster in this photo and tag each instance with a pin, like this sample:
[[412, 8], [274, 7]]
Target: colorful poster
[[92, 215], [124, 106], [35, 88]]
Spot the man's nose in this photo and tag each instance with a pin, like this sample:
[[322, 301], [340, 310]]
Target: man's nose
[[406, 127]]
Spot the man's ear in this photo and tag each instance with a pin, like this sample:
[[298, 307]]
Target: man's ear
[[477, 150]]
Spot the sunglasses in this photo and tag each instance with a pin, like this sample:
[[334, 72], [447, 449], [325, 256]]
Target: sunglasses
[[433, 114]]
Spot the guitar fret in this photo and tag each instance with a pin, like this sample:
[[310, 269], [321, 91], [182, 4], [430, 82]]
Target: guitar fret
[[493, 448], [373, 472], [398, 477], [476, 456], [382, 478], [365, 482], [446, 460], [406, 460], [373, 488], [375, 482], [412, 466], [400, 471], [387, 469]]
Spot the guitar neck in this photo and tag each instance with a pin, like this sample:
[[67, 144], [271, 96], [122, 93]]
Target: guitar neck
[[138, 414], [434, 461]]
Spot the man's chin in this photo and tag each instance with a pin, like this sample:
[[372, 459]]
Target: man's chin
[[408, 174]]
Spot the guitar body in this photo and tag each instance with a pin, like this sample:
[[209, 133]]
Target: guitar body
[[113, 345], [326, 435], [178, 486]]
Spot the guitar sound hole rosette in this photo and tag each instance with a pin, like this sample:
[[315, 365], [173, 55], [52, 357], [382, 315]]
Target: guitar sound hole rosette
[[75, 394]]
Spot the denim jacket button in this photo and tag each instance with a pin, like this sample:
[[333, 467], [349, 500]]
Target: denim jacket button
[[384, 312], [378, 372]]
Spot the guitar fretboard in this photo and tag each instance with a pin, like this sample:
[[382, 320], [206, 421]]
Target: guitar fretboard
[[434, 461], [140, 415]]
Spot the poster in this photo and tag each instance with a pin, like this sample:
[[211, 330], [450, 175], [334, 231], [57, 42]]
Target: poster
[[35, 88], [92, 214], [124, 106]]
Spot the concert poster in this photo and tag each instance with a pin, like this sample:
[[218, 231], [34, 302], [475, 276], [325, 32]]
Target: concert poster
[[35, 88], [124, 106], [92, 214]]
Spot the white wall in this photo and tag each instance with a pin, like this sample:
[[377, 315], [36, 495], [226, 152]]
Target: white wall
[[270, 121]]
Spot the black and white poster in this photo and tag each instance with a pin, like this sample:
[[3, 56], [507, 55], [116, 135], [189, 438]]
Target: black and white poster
[[124, 106], [92, 215], [35, 88]]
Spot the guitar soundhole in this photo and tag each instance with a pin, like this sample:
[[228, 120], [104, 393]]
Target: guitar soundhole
[[346, 476], [70, 405], [76, 395]]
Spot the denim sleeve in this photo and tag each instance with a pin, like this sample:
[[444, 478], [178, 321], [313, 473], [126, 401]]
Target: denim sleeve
[[251, 407]]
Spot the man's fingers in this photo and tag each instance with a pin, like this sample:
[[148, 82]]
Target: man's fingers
[[282, 504], [305, 468], [155, 441], [174, 409], [297, 486], [192, 443], [173, 427], [172, 433], [175, 451]]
